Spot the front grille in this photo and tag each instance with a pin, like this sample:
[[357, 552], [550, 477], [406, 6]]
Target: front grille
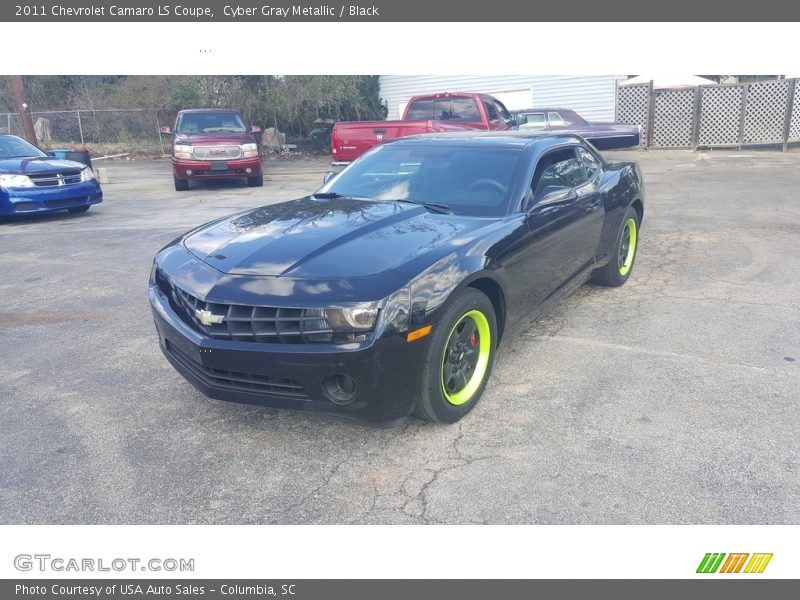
[[216, 152], [23, 206], [243, 323], [65, 202], [263, 384], [56, 179]]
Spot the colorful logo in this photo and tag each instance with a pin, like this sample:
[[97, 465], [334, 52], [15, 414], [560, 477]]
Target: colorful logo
[[713, 563]]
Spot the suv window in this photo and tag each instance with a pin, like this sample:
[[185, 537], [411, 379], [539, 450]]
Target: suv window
[[208, 122], [590, 162], [555, 118], [559, 168]]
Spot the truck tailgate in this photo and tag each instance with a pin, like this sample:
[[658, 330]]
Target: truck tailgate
[[349, 140]]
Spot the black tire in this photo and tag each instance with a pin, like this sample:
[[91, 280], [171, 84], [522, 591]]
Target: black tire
[[620, 263], [181, 185], [79, 209], [433, 404], [255, 181]]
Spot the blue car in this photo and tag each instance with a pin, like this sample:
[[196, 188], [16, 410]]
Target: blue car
[[34, 182]]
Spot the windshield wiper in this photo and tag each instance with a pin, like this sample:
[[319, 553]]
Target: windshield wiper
[[431, 206], [326, 195]]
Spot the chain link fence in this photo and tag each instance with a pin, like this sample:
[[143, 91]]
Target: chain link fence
[[103, 132], [713, 116]]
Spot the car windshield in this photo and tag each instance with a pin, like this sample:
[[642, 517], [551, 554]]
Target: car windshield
[[14, 147], [474, 181], [210, 122]]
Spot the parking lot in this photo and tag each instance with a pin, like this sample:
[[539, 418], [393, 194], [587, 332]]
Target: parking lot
[[674, 399]]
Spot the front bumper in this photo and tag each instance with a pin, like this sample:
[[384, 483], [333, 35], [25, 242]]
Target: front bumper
[[49, 199], [387, 370], [207, 169]]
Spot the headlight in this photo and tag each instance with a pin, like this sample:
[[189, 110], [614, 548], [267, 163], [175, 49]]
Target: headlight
[[87, 174], [182, 151], [341, 324], [153, 274], [358, 318], [249, 150], [15, 181]]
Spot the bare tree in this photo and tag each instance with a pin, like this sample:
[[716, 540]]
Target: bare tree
[[23, 108]]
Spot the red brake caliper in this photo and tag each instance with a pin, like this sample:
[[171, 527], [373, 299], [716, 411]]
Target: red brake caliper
[[473, 340]]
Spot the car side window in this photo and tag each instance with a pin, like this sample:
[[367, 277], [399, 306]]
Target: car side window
[[555, 118], [533, 121], [560, 168], [590, 162], [502, 113], [491, 111]]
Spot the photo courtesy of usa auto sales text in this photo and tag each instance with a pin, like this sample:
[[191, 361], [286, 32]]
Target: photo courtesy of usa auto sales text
[[159, 591]]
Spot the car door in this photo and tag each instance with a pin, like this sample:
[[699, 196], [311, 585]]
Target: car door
[[565, 218]]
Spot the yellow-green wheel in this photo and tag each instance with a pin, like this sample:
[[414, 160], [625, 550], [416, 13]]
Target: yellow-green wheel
[[459, 357], [621, 252], [627, 246], [466, 357]]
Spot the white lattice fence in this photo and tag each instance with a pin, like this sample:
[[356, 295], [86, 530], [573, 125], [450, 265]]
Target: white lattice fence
[[633, 102], [766, 111], [794, 126], [720, 115], [673, 119]]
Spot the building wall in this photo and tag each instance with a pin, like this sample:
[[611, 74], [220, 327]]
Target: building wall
[[591, 96]]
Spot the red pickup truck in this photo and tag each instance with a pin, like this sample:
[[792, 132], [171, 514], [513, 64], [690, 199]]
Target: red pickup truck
[[447, 111]]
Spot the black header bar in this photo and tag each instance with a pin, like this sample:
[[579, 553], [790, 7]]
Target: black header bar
[[399, 11]]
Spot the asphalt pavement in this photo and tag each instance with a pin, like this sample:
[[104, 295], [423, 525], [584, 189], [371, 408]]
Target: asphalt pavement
[[674, 399]]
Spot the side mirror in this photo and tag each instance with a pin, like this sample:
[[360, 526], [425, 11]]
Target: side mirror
[[165, 130], [328, 176], [553, 195], [511, 121], [255, 129]]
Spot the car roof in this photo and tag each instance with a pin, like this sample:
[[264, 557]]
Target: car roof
[[545, 109], [493, 139]]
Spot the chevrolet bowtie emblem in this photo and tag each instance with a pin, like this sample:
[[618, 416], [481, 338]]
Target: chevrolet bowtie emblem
[[206, 317]]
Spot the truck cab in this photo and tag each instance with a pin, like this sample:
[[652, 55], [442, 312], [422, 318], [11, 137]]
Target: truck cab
[[430, 113]]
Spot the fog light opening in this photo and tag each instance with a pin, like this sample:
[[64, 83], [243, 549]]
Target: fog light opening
[[248, 170], [188, 171], [339, 388]]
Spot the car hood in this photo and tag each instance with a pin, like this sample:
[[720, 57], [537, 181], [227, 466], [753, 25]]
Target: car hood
[[31, 166], [221, 137], [321, 239]]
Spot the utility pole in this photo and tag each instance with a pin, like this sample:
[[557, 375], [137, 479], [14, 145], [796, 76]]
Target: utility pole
[[23, 108]]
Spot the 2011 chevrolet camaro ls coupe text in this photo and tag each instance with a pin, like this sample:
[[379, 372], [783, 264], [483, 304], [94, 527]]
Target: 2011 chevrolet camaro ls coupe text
[[386, 292]]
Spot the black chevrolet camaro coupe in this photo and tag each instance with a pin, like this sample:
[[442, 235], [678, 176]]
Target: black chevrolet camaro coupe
[[386, 292]]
